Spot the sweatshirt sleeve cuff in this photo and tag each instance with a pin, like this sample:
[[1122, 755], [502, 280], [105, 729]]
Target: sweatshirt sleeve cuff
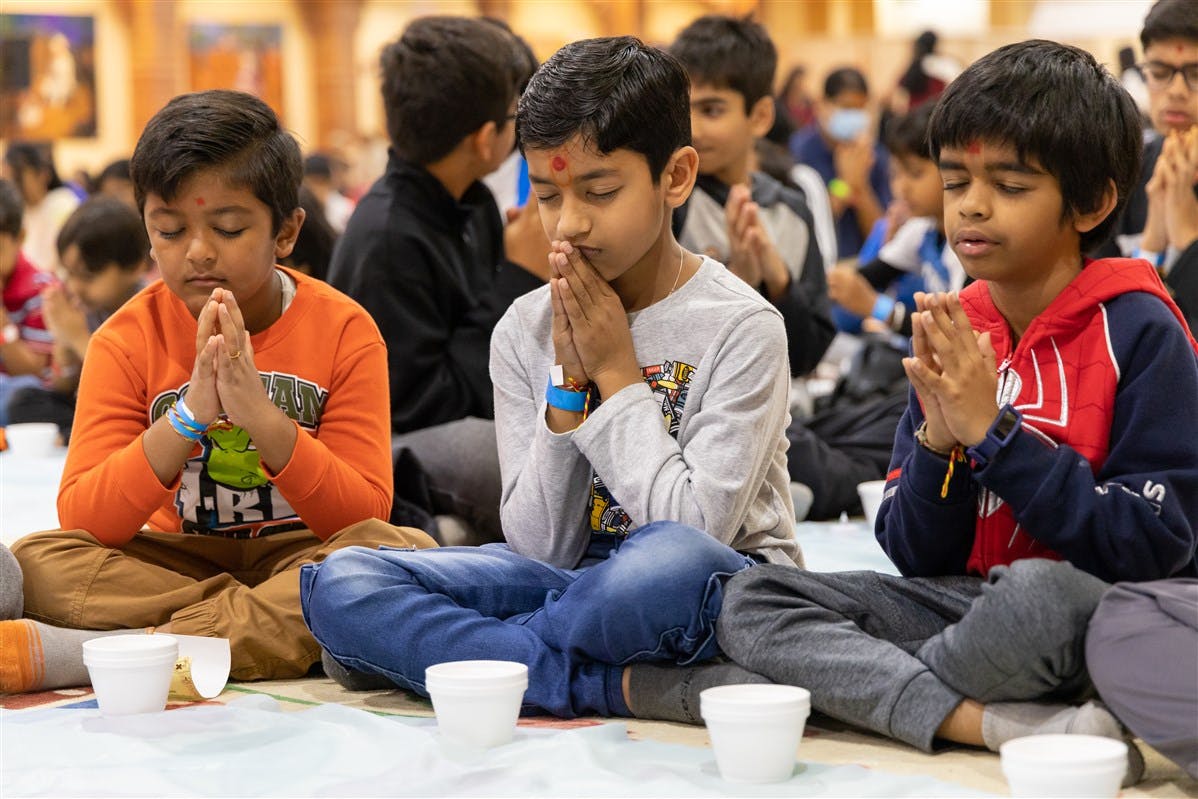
[[926, 473]]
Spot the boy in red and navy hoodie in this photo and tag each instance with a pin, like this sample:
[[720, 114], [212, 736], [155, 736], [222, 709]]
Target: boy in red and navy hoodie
[[1050, 445]]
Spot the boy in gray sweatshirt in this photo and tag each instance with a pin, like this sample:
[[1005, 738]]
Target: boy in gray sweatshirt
[[641, 401]]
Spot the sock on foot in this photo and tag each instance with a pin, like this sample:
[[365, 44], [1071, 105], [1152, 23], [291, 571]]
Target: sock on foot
[[352, 680], [671, 693], [1004, 721], [38, 657]]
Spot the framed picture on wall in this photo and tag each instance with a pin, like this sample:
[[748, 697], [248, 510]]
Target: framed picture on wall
[[47, 76], [248, 58]]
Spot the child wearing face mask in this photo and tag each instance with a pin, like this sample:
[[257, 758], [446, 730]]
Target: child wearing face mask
[[840, 146]]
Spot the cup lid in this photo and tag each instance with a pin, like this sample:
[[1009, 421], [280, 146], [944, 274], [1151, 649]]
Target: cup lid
[[130, 647], [1063, 751], [754, 698], [467, 674]]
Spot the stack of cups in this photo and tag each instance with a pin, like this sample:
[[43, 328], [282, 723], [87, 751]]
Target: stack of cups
[[131, 673], [477, 702], [1064, 765], [755, 729]]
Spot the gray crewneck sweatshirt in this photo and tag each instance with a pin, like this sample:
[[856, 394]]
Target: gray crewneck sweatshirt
[[702, 441]]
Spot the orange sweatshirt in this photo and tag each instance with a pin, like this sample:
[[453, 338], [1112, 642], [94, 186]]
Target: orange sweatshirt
[[323, 363]]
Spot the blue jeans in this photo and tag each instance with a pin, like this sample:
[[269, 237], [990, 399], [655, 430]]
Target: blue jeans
[[653, 596]]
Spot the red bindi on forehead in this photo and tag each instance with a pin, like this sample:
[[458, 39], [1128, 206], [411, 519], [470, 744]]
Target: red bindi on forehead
[[974, 148], [200, 201], [558, 163]]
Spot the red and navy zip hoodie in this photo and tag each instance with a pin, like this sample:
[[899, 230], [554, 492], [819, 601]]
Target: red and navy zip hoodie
[[1103, 470]]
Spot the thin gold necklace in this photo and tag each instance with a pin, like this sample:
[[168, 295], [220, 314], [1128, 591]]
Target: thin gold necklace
[[681, 258]]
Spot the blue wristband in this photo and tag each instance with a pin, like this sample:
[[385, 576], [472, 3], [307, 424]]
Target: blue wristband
[[883, 305], [574, 401], [187, 416], [176, 420]]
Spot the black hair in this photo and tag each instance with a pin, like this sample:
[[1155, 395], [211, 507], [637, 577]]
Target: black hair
[[318, 165], [36, 155], [796, 73], [908, 134], [117, 170], [105, 231], [12, 208], [1127, 59], [728, 52], [617, 93], [231, 131], [1016, 95], [524, 59], [775, 160], [313, 249], [845, 79], [443, 79], [1170, 19], [915, 80]]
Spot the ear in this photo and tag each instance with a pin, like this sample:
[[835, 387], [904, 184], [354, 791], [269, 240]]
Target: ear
[[288, 231], [484, 140], [678, 178], [761, 116], [1084, 223]]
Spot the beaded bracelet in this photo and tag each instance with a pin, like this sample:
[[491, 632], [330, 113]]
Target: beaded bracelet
[[180, 426]]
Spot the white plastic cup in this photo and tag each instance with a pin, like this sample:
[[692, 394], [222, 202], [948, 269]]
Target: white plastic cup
[[131, 673], [1064, 765], [477, 702], [755, 729], [871, 499], [32, 439]]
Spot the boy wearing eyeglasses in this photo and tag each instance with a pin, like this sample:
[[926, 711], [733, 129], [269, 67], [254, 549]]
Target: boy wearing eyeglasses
[[1170, 69]]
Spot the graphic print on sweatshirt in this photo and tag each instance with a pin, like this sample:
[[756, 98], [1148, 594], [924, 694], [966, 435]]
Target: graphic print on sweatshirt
[[1064, 385], [224, 490], [669, 382]]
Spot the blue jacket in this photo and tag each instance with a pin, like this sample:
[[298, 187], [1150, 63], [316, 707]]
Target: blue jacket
[[1103, 471]]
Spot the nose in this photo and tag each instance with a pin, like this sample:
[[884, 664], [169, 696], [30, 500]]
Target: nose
[[974, 203], [200, 250], [573, 223]]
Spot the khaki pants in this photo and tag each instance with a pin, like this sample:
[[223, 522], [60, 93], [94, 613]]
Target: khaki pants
[[244, 590]]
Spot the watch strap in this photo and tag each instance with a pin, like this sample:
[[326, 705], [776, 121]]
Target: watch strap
[[1001, 433]]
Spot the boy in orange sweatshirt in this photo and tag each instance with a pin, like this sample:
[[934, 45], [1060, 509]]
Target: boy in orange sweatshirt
[[231, 422]]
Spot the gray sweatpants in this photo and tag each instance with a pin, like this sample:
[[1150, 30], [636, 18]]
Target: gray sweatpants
[[896, 655], [1142, 650], [461, 461]]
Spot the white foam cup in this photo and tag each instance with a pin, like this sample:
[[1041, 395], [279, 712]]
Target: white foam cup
[[1064, 765], [32, 439], [755, 729], [871, 499], [477, 702], [131, 673]]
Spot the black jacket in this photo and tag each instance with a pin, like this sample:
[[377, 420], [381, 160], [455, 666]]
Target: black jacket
[[431, 271]]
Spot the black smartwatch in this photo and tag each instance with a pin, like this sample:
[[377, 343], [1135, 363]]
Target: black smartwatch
[[1000, 434]]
